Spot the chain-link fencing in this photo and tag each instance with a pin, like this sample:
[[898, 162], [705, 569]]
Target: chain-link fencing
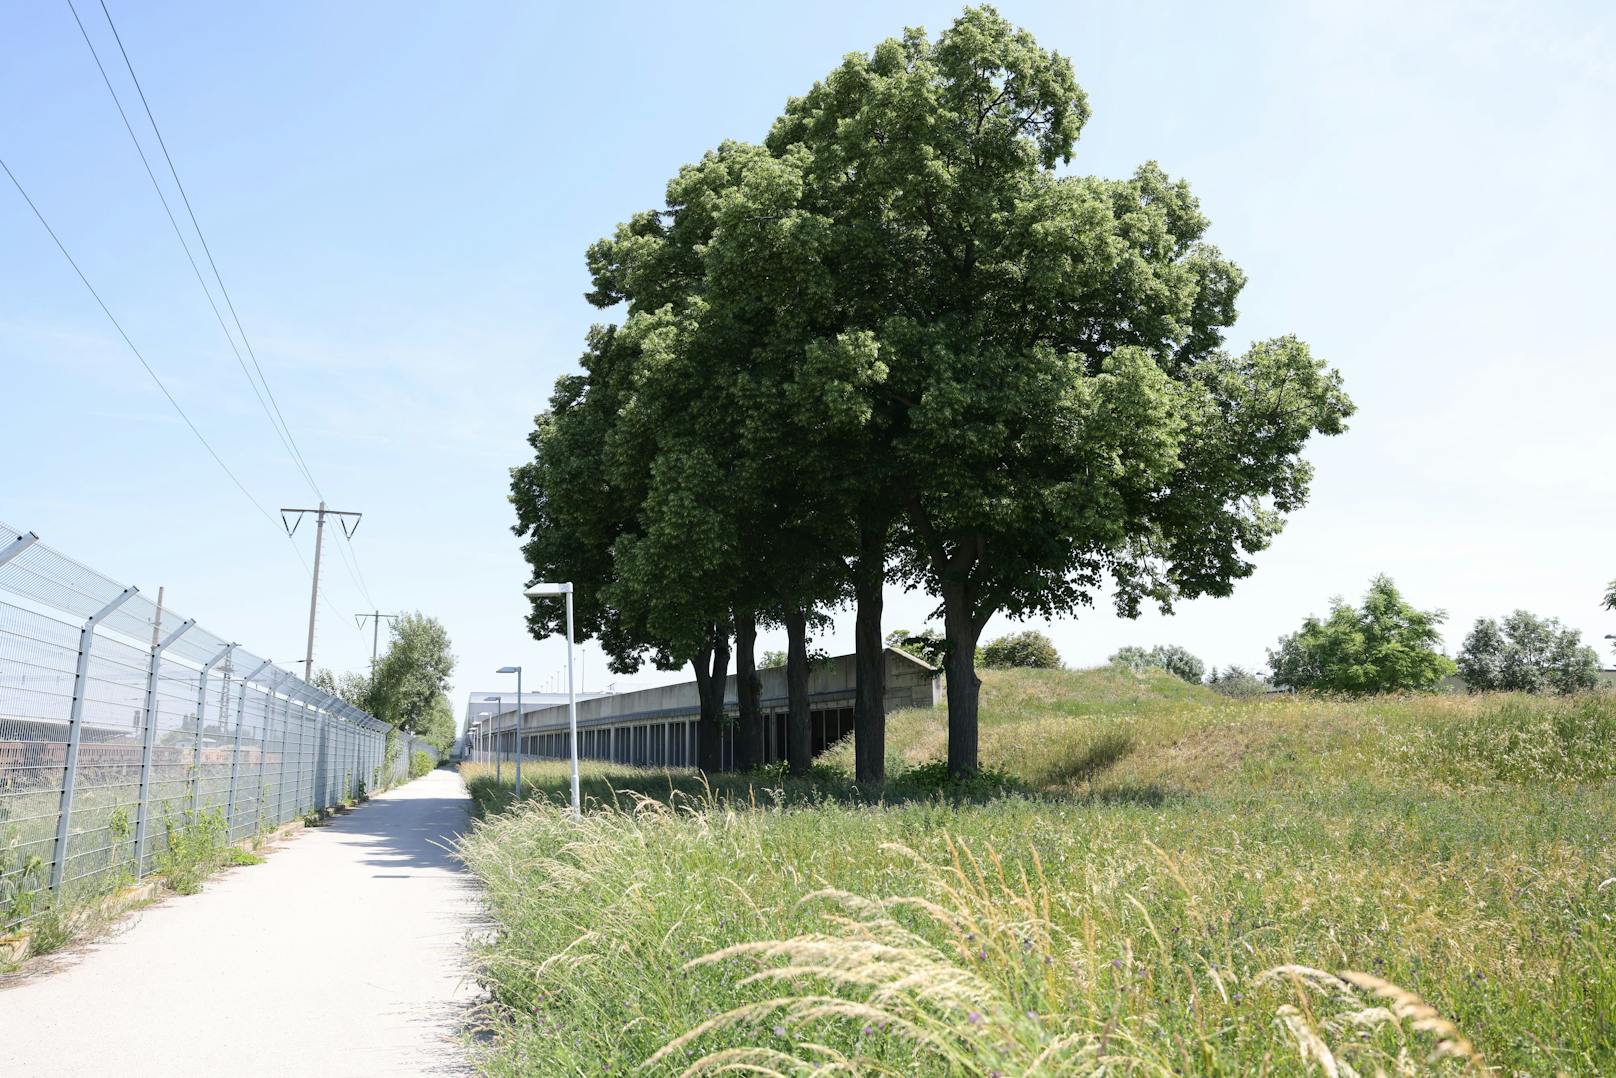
[[126, 729]]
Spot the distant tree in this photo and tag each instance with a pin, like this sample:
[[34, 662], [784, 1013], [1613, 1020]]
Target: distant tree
[[1236, 681], [350, 688], [772, 658], [1030, 648], [1384, 646], [413, 674], [1527, 654], [440, 725], [1169, 657], [928, 645], [1131, 656], [1609, 602]]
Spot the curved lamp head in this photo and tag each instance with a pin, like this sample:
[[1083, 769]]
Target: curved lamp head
[[543, 588]]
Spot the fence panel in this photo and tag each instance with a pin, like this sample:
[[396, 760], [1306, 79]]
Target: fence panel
[[123, 723]]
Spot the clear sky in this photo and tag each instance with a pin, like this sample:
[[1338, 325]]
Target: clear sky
[[399, 197]]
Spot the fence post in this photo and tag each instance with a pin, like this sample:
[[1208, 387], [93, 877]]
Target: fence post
[[263, 750], [153, 669], [74, 726], [201, 707], [280, 771], [235, 752]]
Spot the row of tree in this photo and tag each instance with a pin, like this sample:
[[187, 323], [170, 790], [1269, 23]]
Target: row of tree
[[408, 685], [895, 342], [1385, 644]]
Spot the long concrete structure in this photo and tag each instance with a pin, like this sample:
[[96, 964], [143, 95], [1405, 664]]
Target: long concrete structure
[[657, 727]]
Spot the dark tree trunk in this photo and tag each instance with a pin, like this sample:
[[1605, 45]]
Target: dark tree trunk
[[961, 627], [869, 662], [748, 694], [799, 728], [712, 672]]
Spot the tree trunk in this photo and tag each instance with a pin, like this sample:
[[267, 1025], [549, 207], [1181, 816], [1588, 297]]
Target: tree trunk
[[799, 728], [710, 687], [748, 694], [960, 625], [869, 661]]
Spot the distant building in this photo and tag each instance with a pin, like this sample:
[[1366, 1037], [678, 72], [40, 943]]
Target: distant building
[[656, 727]]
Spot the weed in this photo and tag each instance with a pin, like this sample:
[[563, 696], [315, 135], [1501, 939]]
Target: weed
[[196, 846]]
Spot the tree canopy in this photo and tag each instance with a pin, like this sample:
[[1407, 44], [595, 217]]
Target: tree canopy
[[1526, 653], [1385, 645], [896, 342], [413, 674]]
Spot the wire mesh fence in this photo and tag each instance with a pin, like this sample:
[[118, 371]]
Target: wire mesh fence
[[122, 724]]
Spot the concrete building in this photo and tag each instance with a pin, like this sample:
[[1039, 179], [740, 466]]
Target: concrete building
[[657, 727]]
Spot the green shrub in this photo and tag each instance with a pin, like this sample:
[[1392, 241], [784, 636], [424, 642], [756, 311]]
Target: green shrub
[[1237, 681], [421, 762], [1029, 649], [196, 846], [1169, 657]]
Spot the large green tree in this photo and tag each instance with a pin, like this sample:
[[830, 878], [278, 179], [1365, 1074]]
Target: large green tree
[[693, 514], [1036, 357], [1385, 645]]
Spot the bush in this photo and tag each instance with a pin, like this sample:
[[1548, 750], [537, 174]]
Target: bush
[[1169, 657], [1025, 649], [1526, 654], [421, 762], [1384, 646], [1237, 681]]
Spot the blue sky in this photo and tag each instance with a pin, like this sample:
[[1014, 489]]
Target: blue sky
[[399, 197]]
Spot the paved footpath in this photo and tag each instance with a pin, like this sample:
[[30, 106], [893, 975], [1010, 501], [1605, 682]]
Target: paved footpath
[[342, 954]]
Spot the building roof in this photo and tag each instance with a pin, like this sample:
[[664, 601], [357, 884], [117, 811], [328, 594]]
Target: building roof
[[531, 701]]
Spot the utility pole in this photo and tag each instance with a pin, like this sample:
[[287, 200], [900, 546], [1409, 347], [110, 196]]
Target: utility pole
[[375, 633], [319, 536]]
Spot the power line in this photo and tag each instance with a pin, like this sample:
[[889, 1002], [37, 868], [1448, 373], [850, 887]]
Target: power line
[[206, 250], [141, 357], [278, 423], [119, 327], [185, 245]]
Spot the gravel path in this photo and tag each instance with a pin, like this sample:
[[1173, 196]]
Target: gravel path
[[342, 954]]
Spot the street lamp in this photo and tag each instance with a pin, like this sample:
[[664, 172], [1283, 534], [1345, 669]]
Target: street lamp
[[550, 590], [517, 670], [499, 756]]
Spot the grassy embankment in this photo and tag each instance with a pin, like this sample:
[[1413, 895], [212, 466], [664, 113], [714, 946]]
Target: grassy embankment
[[1157, 886]]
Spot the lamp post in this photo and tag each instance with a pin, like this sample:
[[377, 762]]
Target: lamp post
[[517, 670], [481, 742], [499, 756], [542, 590]]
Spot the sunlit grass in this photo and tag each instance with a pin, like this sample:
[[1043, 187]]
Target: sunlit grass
[[1161, 897]]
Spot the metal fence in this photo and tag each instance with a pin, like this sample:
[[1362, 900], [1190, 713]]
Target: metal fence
[[122, 724]]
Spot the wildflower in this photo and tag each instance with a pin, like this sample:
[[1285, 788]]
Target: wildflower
[[974, 1018]]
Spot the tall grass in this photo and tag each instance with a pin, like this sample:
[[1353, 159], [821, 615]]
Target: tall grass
[[1160, 897]]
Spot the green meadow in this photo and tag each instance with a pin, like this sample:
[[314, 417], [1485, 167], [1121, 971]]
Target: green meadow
[[1148, 878]]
